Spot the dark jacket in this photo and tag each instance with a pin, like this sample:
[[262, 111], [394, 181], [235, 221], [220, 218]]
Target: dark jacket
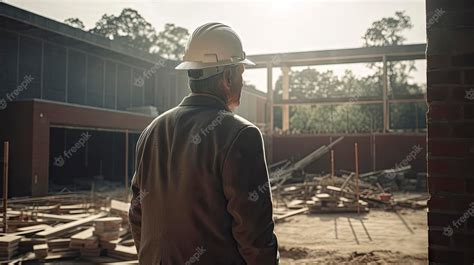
[[200, 190]]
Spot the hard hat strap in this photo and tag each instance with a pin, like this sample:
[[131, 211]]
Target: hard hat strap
[[201, 74]]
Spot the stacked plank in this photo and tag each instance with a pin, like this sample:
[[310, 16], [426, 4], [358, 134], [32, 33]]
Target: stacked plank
[[123, 253], [9, 246], [41, 250], [86, 242], [108, 228], [336, 200]]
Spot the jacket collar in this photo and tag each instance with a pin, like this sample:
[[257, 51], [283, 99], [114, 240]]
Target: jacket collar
[[206, 100]]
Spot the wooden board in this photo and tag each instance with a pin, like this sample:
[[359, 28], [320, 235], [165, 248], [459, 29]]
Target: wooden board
[[57, 230], [119, 207], [292, 213]]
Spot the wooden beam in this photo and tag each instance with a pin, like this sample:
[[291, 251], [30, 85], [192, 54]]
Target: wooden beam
[[385, 95], [58, 230], [286, 95]]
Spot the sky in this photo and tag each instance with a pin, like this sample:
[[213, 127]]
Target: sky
[[264, 26]]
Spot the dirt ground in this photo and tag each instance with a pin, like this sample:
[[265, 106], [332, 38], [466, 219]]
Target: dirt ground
[[378, 237]]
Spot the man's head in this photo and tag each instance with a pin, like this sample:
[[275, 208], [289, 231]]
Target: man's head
[[215, 61], [226, 85]]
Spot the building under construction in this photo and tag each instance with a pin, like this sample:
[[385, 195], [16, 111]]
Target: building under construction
[[73, 105]]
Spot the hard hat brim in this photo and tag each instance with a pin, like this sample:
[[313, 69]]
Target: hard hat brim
[[200, 65]]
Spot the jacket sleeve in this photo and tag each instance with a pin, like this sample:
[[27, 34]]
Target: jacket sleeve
[[247, 189], [135, 211]]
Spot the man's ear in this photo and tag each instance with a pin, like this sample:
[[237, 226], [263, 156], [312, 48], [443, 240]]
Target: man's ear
[[228, 77]]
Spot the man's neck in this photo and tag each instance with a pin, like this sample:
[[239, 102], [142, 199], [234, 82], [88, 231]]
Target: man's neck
[[213, 96]]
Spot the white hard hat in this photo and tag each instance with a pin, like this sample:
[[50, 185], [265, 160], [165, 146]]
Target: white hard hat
[[213, 45]]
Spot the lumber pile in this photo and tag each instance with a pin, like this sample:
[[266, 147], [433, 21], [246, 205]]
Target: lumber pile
[[9, 246], [65, 227], [337, 194], [108, 229]]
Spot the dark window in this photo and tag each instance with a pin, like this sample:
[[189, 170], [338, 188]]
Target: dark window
[[76, 77], [95, 81], [54, 72], [123, 87], [8, 59], [138, 86], [150, 90], [110, 83], [30, 66]]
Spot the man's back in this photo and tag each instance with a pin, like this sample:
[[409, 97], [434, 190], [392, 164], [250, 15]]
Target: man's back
[[196, 166]]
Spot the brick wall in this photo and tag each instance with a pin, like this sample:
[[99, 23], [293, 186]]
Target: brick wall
[[450, 117]]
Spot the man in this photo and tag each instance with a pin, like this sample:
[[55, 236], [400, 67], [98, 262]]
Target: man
[[200, 191]]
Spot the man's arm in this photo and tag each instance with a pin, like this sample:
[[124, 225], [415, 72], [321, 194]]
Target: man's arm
[[247, 189], [135, 211]]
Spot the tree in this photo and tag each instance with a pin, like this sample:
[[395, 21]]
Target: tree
[[309, 83], [388, 31], [171, 42], [129, 28], [75, 22]]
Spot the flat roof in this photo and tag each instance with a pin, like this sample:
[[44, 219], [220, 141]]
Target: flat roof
[[44, 23]]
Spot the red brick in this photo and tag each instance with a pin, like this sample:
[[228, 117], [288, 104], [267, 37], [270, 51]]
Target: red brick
[[464, 130], [469, 111], [438, 61], [464, 60], [439, 112], [449, 203], [470, 185], [443, 41], [456, 168], [450, 19], [459, 94], [469, 77], [461, 240], [448, 5], [445, 184], [444, 77], [436, 237], [470, 225], [445, 256], [441, 219], [447, 148], [439, 130], [438, 93]]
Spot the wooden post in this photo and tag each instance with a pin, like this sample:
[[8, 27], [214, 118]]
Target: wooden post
[[126, 165], [332, 167], [386, 106], [356, 150], [285, 109], [5, 185], [269, 116]]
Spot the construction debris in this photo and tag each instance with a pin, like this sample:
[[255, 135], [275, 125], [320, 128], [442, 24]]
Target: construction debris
[[300, 192], [94, 227], [60, 228], [9, 246]]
